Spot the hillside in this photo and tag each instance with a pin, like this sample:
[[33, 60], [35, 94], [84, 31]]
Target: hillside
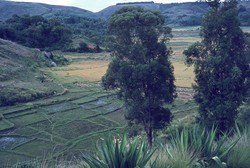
[[20, 78], [9, 8], [107, 12], [177, 14], [180, 14]]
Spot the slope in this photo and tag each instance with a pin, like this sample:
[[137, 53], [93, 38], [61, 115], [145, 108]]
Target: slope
[[9, 8], [21, 79], [175, 13]]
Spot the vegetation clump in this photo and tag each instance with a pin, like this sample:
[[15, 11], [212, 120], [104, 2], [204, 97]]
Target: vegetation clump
[[122, 153], [36, 32]]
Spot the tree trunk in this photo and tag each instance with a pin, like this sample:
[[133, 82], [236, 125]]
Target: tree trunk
[[149, 133]]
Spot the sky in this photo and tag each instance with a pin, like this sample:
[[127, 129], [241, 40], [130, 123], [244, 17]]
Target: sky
[[95, 5]]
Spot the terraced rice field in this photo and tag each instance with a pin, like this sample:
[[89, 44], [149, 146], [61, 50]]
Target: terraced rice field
[[57, 125], [67, 125], [71, 123]]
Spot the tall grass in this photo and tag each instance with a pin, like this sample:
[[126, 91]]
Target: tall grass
[[170, 157], [239, 156], [194, 147]]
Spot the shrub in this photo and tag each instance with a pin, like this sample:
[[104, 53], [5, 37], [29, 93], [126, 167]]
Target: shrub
[[171, 157], [120, 154], [244, 116], [239, 156], [195, 146]]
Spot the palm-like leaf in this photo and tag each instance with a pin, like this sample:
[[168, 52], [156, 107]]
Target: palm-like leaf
[[124, 154]]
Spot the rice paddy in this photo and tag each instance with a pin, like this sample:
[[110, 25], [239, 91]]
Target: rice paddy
[[71, 123]]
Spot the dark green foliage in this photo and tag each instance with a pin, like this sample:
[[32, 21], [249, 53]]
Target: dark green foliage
[[91, 28], [200, 145], [221, 67], [115, 153], [244, 14], [83, 47], [140, 70], [11, 96], [36, 31], [55, 59]]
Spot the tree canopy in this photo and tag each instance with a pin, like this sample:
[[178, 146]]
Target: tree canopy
[[221, 66], [140, 70], [36, 31]]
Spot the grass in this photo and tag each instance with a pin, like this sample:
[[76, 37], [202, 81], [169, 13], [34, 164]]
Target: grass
[[41, 147], [239, 156], [184, 75], [88, 70], [62, 120], [93, 71], [8, 158], [5, 125]]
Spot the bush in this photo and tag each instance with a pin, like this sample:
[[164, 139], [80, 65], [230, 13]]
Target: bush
[[83, 47], [113, 153], [244, 117], [11, 96], [171, 157], [239, 156], [194, 146], [36, 32]]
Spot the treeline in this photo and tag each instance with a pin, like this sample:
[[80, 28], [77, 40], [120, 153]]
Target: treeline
[[36, 32], [91, 28], [56, 33]]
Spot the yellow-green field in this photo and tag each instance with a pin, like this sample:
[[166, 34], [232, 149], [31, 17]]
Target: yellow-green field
[[94, 70], [88, 70], [91, 67]]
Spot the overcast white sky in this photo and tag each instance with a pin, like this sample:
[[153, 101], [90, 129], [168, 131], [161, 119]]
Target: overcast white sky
[[95, 5]]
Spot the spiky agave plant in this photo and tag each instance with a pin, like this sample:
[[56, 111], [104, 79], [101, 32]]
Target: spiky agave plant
[[239, 156], [197, 146], [120, 154], [211, 148]]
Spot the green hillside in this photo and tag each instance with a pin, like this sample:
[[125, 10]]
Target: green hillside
[[20, 78], [9, 8], [177, 14], [180, 14]]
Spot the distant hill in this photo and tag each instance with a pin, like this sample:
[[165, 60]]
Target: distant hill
[[107, 12], [21, 79], [9, 8], [177, 14]]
